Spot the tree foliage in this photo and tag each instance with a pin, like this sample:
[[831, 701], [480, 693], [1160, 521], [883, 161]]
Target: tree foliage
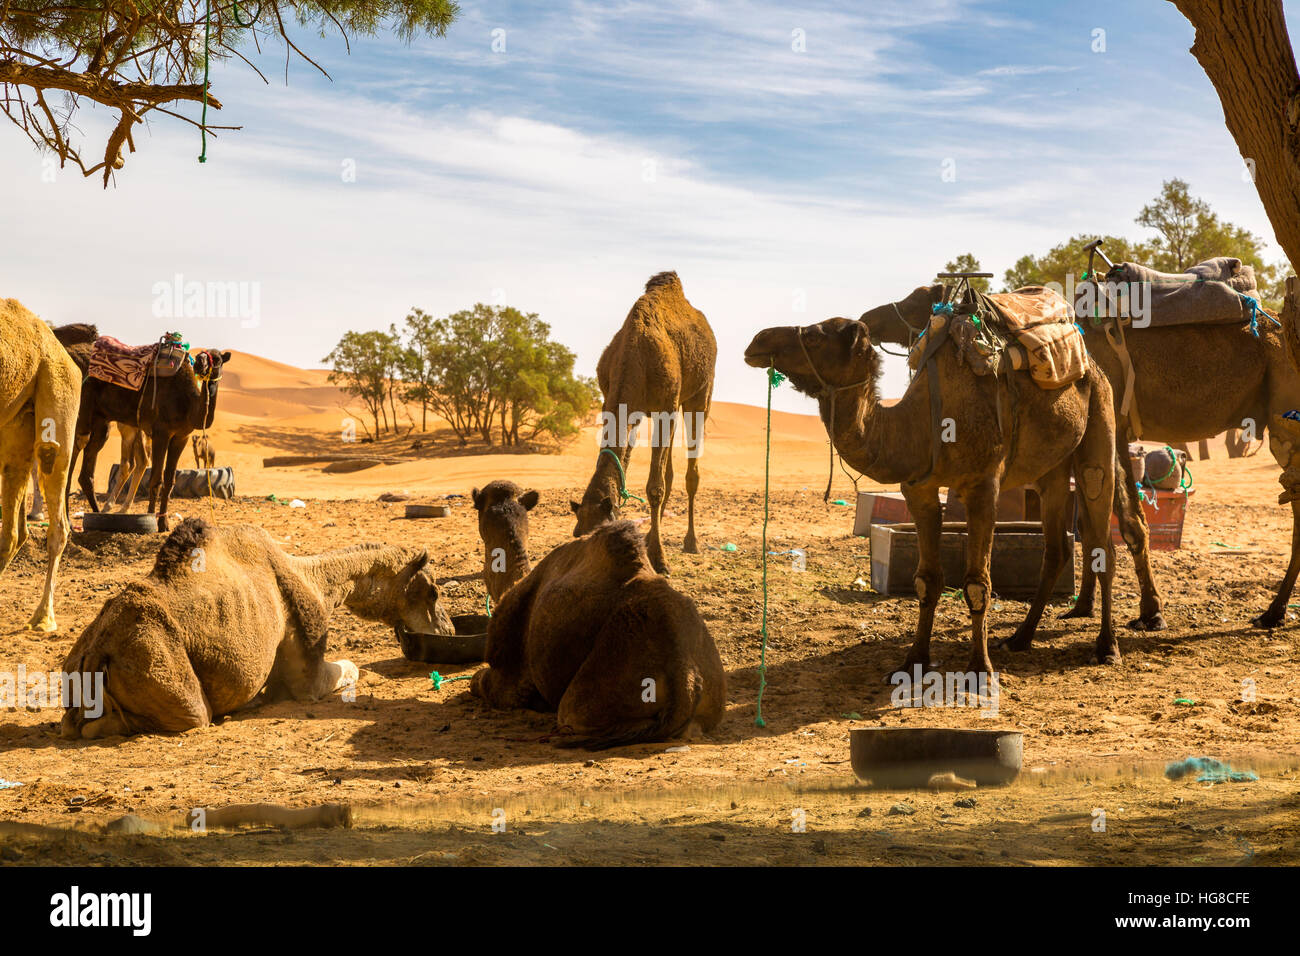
[[361, 363], [140, 57]]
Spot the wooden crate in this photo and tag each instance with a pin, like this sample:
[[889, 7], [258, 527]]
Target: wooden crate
[[1016, 563], [890, 507]]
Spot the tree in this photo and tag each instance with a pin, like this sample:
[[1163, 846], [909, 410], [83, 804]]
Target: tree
[[1245, 50], [417, 362], [138, 57], [361, 362], [966, 262], [1067, 261]]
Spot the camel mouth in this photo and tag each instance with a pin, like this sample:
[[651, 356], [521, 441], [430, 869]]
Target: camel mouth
[[758, 358]]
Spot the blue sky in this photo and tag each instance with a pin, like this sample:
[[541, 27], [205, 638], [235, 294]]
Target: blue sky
[[609, 141]]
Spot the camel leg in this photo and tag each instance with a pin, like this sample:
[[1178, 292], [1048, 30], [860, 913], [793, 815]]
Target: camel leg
[[15, 455], [164, 472], [54, 433], [1276, 612], [654, 492], [693, 418], [928, 515], [301, 671], [1099, 547], [981, 514], [86, 479], [1054, 490], [37, 511], [134, 462]]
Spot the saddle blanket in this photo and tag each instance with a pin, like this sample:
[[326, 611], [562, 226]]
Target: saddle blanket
[[116, 362]]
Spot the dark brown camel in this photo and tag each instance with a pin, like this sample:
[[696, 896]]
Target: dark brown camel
[[660, 361], [167, 409], [1192, 382], [1055, 431], [503, 525], [594, 634]]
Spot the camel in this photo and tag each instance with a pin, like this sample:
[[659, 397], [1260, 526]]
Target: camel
[[226, 619], [503, 525], [1192, 382], [660, 361], [167, 409], [595, 635], [39, 385], [1052, 432], [204, 455]]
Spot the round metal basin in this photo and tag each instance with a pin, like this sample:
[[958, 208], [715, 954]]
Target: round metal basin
[[907, 757], [467, 646]]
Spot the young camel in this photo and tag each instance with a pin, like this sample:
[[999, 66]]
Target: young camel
[[39, 388], [503, 526], [204, 456], [1052, 432], [594, 634], [660, 361], [226, 618], [1191, 382]]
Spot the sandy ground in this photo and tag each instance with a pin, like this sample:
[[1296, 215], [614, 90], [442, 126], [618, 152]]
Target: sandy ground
[[424, 769]]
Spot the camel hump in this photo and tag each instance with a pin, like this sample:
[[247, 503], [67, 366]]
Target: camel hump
[[624, 546], [661, 280], [177, 551]]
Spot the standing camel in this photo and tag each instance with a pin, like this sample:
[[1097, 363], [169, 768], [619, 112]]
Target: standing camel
[[1053, 432], [204, 455], [38, 411], [1191, 382], [661, 361], [167, 409]]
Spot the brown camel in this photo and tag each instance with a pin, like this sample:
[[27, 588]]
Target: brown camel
[[39, 386], [204, 455], [503, 525], [1192, 382], [226, 618], [1052, 433], [660, 361], [594, 634], [167, 409]]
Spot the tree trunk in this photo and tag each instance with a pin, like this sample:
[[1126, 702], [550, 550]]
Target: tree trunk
[[1244, 49]]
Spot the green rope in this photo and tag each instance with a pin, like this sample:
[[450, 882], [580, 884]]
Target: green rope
[[207, 35], [439, 680], [487, 602], [774, 378], [622, 478]]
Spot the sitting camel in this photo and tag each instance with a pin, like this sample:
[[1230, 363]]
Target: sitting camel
[[596, 635], [226, 616], [1053, 431], [39, 389], [503, 526], [660, 361]]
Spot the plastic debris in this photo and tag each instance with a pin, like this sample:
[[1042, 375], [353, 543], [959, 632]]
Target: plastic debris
[[1209, 770], [297, 503], [678, 750], [9, 784]]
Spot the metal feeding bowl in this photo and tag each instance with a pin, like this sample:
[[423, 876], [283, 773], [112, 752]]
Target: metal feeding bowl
[[467, 646], [907, 757], [119, 523]]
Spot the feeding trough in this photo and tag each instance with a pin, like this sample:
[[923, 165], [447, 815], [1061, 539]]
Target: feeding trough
[[907, 757], [467, 646], [119, 523], [428, 511]]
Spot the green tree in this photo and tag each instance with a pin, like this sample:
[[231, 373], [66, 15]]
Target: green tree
[[360, 366], [966, 262], [417, 362], [139, 58], [1069, 259]]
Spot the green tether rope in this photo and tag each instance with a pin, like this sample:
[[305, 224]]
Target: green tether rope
[[622, 478], [774, 378]]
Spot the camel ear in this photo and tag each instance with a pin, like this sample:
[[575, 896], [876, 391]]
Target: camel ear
[[529, 500], [575, 506], [607, 506], [419, 563], [225, 357], [477, 497]]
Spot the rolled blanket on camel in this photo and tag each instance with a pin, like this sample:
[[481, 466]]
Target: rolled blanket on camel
[[1212, 292]]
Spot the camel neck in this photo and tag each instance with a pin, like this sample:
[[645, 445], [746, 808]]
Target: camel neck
[[517, 565], [359, 576], [888, 444]]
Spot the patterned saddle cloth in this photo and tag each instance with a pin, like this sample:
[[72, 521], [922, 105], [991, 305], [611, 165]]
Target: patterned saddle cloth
[[128, 365]]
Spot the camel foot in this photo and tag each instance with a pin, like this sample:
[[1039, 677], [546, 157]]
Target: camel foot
[[980, 665], [43, 621], [1079, 610], [1021, 640], [162, 523], [1154, 622], [660, 566], [36, 516], [1107, 652], [689, 546], [908, 669], [1269, 618]]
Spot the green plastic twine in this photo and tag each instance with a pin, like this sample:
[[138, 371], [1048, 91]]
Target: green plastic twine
[[207, 35], [774, 378], [622, 478]]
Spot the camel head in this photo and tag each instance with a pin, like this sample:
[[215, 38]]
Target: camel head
[[833, 354], [596, 508], [503, 525], [902, 321], [208, 364], [413, 604]]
